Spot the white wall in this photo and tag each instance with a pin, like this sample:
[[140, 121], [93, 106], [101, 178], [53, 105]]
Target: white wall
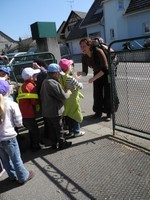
[[114, 19], [4, 42], [74, 46], [125, 26], [135, 23], [96, 28]]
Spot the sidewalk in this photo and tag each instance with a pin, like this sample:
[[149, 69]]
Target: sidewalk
[[97, 166]]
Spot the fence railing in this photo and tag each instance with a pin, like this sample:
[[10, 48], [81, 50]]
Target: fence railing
[[132, 86]]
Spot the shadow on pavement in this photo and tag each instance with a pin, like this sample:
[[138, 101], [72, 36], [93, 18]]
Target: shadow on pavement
[[64, 179], [88, 120], [7, 185]]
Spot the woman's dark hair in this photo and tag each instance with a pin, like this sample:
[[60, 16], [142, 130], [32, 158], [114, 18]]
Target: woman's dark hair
[[92, 46], [88, 41]]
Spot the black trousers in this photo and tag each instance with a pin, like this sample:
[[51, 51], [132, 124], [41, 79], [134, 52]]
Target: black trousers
[[55, 130], [101, 95], [34, 133]]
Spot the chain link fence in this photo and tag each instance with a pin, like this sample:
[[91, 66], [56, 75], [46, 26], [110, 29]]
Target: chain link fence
[[131, 83]]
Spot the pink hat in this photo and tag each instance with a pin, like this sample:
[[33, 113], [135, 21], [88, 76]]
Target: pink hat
[[65, 64]]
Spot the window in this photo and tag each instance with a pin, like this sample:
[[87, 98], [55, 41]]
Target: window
[[120, 4], [70, 27], [147, 27], [112, 34], [95, 34], [99, 10]]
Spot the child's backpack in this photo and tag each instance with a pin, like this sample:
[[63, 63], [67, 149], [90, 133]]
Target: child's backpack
[[113, 57]]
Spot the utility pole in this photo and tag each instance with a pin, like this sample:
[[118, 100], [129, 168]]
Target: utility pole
[[71, 2]]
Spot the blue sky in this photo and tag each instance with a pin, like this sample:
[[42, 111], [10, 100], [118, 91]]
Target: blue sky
[[17, 15]]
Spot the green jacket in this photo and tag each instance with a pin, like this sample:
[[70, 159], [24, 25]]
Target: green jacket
[[72, 105]]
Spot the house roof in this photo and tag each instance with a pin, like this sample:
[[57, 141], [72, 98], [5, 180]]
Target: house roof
[[77, 32], [7, 37], [93, 17], [137, 5], [80, 15], [25, 43], [61, 26]]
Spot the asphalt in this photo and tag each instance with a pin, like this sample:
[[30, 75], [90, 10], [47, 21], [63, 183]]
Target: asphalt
[[98, 165]]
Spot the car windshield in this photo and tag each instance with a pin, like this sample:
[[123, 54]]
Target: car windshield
[[2, 63], [22, 61]]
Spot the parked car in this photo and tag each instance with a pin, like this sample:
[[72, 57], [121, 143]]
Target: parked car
[[11, 56], [20, 62], [2, 63], [64, 51]]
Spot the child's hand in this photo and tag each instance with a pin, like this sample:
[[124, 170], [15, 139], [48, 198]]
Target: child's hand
[[69, 92], [75, 76], [35, 65], [79, 74]]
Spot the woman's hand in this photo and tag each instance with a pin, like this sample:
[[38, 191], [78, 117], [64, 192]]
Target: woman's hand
[[81, 74], [91, 80]]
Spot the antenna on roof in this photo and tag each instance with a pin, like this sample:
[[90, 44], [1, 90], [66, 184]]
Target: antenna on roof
[[71, 2]]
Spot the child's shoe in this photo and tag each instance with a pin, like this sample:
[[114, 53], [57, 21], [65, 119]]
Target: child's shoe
[[2, 172], [64, 145], [81, 133]]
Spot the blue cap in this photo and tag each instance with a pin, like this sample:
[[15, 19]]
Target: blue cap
[[6, 70], [53, 67]]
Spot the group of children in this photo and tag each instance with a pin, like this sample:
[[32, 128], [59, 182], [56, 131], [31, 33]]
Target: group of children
[[58, 97]]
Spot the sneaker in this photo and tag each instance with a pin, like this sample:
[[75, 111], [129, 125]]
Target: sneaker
[[55, 146], [108, 117], [81, 133], [42, 145], [65, 145], [69, 135], [2, 172], [31, 175]]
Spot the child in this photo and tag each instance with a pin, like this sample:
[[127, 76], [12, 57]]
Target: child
[[52, 102], [9, 150], [42, 65], [28, 101], [72, 106], [5, 75]]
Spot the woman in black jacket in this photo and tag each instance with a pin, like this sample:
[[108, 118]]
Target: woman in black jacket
[[95, 58]]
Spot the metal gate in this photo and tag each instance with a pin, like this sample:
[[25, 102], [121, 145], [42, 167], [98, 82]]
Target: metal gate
[[131, 84]]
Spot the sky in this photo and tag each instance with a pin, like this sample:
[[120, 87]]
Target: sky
[[17, 15]]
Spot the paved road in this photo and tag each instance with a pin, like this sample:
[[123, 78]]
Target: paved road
[[98, 165]]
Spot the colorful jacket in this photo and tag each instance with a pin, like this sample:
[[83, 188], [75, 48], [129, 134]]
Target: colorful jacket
[[28, 99], [72, 104]]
